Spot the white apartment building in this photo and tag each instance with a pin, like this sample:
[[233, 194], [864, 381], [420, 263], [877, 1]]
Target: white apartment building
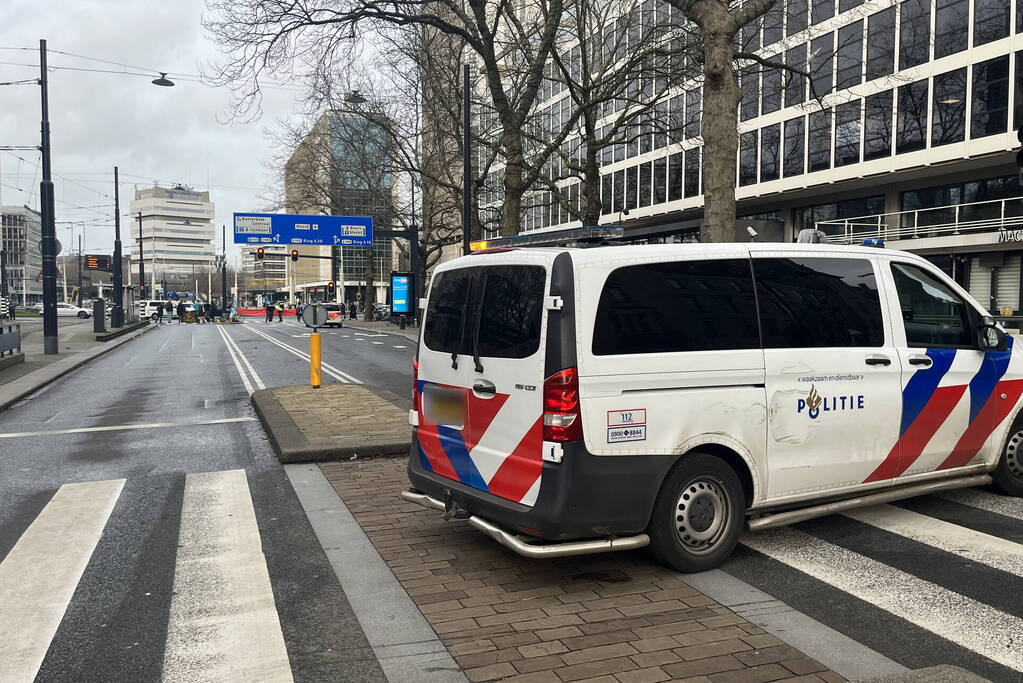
[[913, 139], [20, 236], [177, 233], [269, 273]]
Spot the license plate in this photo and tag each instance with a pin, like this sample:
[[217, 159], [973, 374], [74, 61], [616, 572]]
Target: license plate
[[445, 406]]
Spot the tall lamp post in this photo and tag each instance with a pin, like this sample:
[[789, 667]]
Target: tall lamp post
[[117, 314], [142, 262], [223, 272]]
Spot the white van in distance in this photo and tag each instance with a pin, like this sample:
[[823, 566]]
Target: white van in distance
[[587, 400]]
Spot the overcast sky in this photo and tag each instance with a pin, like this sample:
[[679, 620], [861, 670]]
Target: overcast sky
[[99, 120]]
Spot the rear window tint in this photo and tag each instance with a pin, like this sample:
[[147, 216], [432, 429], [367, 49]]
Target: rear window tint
[[677, 306], [509, 323], [446, 311]]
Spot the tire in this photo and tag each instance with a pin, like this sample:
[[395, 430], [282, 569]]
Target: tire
[[83, 315], [699, 514], [154, 317], [1008, 476]]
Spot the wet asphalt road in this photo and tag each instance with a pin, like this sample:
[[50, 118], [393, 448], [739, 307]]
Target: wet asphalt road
[[115, 626]]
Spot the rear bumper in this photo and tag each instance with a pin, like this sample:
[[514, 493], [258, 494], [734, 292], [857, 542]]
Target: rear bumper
[[583, 497]]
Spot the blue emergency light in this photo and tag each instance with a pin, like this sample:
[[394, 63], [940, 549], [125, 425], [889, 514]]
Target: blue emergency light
[[873, 242]]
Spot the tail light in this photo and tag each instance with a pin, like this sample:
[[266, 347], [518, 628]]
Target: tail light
[[561, 417], [415, 384]]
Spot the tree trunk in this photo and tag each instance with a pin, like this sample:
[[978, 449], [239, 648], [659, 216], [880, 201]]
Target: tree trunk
[[512, 207], [719, 123]]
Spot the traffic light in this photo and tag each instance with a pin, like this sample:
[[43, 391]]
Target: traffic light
[[294, 254], [331, 288], [260, 254]]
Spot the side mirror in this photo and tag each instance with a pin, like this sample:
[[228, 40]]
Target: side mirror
[[991, 336]]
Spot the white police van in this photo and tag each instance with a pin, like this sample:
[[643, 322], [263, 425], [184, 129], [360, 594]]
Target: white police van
[[572, 401]]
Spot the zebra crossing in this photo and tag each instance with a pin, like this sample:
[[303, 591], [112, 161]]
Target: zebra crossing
[[222, 624], [906, 579]]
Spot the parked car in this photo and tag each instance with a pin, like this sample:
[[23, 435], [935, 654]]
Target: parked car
[[589, 400], [335, 315], [65, 310], [148, 309]]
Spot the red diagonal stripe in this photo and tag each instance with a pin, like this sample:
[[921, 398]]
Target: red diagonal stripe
[[913, 441], [520, 470], [990, 416], [433, 450], [481, 412]]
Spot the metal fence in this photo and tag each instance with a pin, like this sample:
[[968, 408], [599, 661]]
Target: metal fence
[[10, 340]]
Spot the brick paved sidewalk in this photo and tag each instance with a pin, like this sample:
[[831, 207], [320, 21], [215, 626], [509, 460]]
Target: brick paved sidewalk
[[617, 617]]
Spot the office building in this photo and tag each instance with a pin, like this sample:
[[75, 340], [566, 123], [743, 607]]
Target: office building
[[20, 238]]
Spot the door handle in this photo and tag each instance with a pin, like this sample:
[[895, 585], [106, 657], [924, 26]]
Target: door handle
[[483, 388], [921, 360], [878, 360]]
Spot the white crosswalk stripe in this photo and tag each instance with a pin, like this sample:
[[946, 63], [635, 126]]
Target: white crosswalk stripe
[[39, 575], [982, 500]]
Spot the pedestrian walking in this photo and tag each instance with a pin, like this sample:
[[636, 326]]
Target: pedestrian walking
[[280, 313], [181, 312], [159, 315], [12, 309], [269, 312], [197, 310], [208, 311], [298, 311]]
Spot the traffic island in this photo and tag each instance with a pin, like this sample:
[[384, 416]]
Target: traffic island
[[119, 331], [335, 421]]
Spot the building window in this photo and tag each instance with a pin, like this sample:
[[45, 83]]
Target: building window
[[881, 44], [877, 133], [773, 25], [822, 10], [771, 90], [949, 108], [748, 158], [795, 84], [675, 177], [606, 183], [822, 64], [794, 147], [819, 140], [911, 134], [990, 97], [644, 184], [750, 37], [693, 109], [1017, 119], [846, 5], [619, 192], [795, 16], [922, 201], [692, 172], [805, 217], [951, 27], [750, 96], [847, 133], [660, 180], [770, 139], [631, 187], [914, 32], [850, 56], [990, 20]]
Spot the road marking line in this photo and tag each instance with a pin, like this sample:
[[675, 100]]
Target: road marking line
[[245, 360], [961, 620], [40, 574], [223, 621], [376, 342], [237, 364], [973, 545], [340, 376], [399, 346], [989, 502], [116, 428]]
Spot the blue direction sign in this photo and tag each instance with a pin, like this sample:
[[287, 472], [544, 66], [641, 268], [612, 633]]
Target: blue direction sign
[[296, 230]]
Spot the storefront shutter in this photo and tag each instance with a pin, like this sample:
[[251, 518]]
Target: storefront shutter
[[1008, 283], [980, 282]]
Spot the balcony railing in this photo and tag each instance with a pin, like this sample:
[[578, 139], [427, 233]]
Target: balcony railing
[[938, 221]]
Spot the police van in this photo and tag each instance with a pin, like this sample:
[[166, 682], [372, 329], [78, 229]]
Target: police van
[[571, 401]]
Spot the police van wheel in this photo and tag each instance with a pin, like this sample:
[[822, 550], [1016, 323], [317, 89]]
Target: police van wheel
[[698, 516], [1008, 475]]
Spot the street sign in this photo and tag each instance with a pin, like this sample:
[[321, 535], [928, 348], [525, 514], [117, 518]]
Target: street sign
[[400, 285], [57, 247], [314, 315], [295, 229], [97, 262]]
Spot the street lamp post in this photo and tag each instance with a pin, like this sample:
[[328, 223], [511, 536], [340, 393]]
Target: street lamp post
[[466, 162], [49, 226], [117, 314], [223, 273], [142, 262]]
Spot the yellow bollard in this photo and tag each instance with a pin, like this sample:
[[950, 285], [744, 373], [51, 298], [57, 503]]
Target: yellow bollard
[[315, 376]]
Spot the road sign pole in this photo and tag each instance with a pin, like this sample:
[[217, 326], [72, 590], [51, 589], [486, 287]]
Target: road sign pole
[[315, 374]]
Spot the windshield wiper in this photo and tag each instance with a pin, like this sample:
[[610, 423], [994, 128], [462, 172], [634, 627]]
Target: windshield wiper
[[454, 360], [476, 327]]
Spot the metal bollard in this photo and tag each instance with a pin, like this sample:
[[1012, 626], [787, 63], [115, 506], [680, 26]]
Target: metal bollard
[[99, 315], [402, 321]]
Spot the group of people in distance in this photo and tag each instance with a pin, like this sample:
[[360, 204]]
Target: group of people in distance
[[203, 312]]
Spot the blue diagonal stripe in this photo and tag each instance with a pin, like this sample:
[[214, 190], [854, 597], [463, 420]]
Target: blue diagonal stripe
[[922, 384], [458, 454], [422, 459], [991, 371]]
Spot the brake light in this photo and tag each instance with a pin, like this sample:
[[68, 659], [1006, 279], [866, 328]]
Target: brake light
[[561, 417], [415, 384]]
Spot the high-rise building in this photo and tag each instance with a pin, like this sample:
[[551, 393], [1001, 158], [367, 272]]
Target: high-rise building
[[909, 133], [177, 235], [20, 237], [270, 273]]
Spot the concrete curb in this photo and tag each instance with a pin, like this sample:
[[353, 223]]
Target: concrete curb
[[944, 673], [121, 331], [19, 388], [291, 445], [9, 361]]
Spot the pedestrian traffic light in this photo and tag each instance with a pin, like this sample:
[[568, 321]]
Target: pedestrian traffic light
[[294, 254], [331, 288], [260, 254]]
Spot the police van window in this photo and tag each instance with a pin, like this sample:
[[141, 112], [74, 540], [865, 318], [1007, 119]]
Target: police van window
[[510, 314], [932, 313], [677, 306], [818, 302], [446, 311]]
